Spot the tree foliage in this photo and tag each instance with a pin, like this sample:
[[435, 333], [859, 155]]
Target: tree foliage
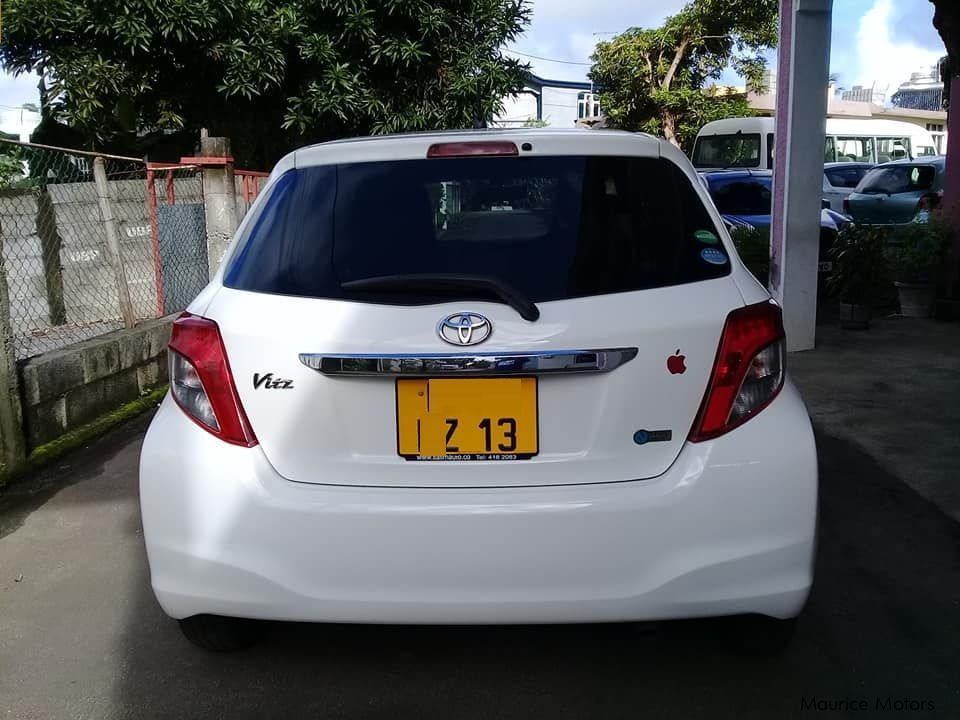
[[652, 79], [11, 166], [266, 72]]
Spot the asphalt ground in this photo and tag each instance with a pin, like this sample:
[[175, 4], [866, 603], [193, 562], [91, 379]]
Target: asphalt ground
[[81, 635]]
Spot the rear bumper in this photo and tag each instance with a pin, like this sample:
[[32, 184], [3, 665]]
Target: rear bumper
[[728, 529]]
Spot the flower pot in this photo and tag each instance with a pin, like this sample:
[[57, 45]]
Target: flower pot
[[855, 317], [916, 299]]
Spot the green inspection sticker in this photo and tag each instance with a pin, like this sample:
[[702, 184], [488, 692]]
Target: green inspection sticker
[[705, 236]]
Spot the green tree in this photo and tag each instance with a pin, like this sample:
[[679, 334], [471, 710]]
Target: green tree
[[269, 74], [653, 79], [11, 167]]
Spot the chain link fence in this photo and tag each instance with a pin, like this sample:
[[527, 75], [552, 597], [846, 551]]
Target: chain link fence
[[91, 243]]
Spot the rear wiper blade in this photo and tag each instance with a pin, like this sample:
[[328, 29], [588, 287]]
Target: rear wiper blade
[[425, 282]]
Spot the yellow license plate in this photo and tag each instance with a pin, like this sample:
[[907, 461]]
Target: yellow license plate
[[467, 419]]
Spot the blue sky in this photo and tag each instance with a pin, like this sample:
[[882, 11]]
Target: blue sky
[[874, 41]]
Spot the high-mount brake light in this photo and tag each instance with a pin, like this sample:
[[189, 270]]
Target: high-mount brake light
[[472, 149]]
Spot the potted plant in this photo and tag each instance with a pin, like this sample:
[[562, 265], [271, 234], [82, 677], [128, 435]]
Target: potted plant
[[915, 259], [859, 272]]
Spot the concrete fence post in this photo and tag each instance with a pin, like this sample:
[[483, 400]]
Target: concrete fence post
[[219, 197], [12, 445], [50, 244], [113, 241]]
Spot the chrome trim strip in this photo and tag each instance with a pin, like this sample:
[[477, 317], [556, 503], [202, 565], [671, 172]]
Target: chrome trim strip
[[538, 363]]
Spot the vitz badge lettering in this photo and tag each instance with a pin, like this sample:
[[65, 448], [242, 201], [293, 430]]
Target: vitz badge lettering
[[267, 382]]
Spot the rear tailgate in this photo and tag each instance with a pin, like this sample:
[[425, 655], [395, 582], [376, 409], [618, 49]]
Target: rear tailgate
[[343, 430], [609, 239]]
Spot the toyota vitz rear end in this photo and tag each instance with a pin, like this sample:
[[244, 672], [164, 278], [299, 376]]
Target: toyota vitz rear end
[[495, 377]]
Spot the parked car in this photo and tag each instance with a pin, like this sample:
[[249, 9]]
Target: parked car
[[741, 196], [745, 198], [895, 193], [393, 404], [839, 180]]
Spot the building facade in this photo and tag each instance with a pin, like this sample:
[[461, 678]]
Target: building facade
[[866, 103], [557, 103], [923, 91]]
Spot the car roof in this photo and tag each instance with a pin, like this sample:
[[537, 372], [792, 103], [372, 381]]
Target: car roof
[[747, 125], [841, 164], [542, 141], [472, 134], [733, 173], [939, 160]]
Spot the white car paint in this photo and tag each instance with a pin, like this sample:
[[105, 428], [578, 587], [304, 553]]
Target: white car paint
[[728, 529], [322, 521], [836, 194]]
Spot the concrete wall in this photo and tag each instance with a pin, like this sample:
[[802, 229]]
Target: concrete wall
[[65, 389], [242, 205], [90, 292], [73, 374]]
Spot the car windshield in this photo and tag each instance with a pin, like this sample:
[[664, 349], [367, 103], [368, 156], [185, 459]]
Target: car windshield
[[727, 151], [897, 179], [741, 196], [548, 227]]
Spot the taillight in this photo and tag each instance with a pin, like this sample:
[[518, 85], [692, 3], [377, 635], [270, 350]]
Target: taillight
[[748, 372], [846, 206], [201, 381], [471, 149]]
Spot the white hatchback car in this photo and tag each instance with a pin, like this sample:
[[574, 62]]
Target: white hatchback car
[[480, 377]]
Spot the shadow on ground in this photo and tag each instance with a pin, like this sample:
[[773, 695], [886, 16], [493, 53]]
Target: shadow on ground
[[883, 624], [891, 391]]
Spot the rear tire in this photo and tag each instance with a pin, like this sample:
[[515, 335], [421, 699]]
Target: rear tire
[[758, 634], [220, 634]]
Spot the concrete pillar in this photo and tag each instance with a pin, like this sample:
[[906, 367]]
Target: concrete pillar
[[219, 197], [50, 245], [951, 185], [112, 235], [803, 69], [12, 447]]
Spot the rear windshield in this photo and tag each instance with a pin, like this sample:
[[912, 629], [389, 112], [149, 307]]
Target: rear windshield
[[845, 176], [551, 227], [741, 196], [898, 179], [727, 151]]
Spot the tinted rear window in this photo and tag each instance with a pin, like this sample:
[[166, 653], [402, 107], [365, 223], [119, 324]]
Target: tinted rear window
[[741, 196], [898, 179], [552, 227], [845, 177]]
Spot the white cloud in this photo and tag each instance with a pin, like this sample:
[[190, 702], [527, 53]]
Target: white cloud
[[15, 90], [597, 12], [884, 59], [569, 29]]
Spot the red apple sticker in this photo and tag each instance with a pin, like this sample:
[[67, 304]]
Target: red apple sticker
[[675, 363]]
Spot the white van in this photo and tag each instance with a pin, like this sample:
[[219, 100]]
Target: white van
[[748, 142]]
